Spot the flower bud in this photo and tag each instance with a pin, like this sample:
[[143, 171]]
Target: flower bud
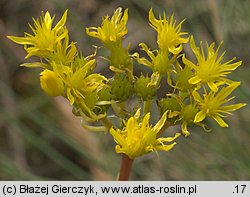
[[104, 93], [182, 78], [121, 88], [143, 90], [51, 83], [172, 105], [120, 58], [90, 99], [104, 96], [188, 113], [162, 64]]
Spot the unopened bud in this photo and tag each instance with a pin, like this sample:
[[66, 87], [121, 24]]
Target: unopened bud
[[143, 90], [188, 113], [51, 83], [121, 88]]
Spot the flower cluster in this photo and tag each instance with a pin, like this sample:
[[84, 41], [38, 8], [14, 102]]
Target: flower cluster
[[65, 71], [198, 90]]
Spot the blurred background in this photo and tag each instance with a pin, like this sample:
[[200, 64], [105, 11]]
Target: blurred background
[[40, 139]]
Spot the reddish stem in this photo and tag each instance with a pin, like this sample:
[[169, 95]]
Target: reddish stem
[[125, 169]]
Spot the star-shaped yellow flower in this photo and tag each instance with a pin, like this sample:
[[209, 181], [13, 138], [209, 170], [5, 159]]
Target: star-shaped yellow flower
[[81, 85], [112, 29], [213, 104], [169, 35], [45, 38], [209, 69], [138, 138]]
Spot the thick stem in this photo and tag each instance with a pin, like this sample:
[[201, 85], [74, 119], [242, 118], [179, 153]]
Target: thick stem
[[119, 109], [146, 106], [125, 169], [105, 121]]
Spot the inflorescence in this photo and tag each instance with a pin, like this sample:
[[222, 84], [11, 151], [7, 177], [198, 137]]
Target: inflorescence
[[199, 89]]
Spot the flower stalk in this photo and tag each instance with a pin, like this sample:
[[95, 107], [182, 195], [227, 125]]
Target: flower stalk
[[125, 168], [146, 106]]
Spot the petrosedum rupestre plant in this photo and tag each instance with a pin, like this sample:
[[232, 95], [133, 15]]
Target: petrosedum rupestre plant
[[199, 89]]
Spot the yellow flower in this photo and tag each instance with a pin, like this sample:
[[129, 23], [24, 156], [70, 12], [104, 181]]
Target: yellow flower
[[112, 29], [51, 83], [169, 34], [45, 38], [212, 104], [64, 52], [81, 86], [138, 138], [209, 69]]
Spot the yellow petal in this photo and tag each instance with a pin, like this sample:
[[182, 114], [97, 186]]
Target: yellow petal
[[118, 137], [168, 139], [173, 114], [35, 65], [160, 123], [47, 20], [62, 21], [194, 80], [165, 147], [147, 50], [184, 129], [200, 116], [232, 107], [154, 79], [212, 86], [234, 65], [145, 121], [152, 19], [92, 31], [197, 97], [220, 121], [130, 125], [119, 149], [144, 61], [124, 18], [137, 114], [21, 40], [193, 46], [188, 63], [70, 96], [175, 50], [227, 90]]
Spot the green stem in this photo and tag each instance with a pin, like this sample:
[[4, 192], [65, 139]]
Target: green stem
[[94, 128], [146, 106], [119, 109], [105, 121]]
